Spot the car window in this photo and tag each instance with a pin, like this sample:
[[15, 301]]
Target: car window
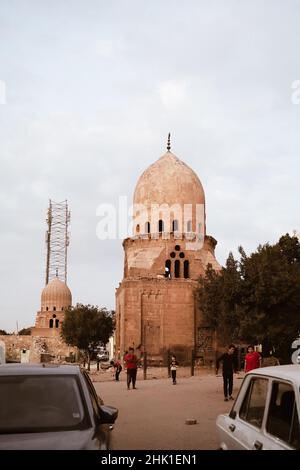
[[253, 406], [92, 393], [283, 420], [41, 403]]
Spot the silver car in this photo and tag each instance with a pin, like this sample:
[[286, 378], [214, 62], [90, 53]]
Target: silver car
[[265, 415]]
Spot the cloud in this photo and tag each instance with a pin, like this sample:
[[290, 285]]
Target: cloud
[[173, 94], [91, 94]]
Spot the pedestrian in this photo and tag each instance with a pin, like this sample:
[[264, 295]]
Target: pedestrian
[[174, 367], [229, 362], [252, 359], [131, 361], [117, 369]]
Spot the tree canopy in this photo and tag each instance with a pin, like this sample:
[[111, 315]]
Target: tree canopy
[[85, 326], [256, 298]]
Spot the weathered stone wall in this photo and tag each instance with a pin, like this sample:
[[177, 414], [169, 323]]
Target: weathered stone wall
[[37, 345]]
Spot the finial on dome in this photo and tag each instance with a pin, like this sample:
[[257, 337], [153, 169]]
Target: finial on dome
[[56, 272], [169, 142]]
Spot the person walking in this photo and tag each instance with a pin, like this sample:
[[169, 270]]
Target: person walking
[[130, 360], [229, 362], [252, 359], [174, 367]]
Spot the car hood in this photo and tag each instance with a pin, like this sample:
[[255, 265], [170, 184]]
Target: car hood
[[63, 440]]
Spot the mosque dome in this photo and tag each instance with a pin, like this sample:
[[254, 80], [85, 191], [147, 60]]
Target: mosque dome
[[169, 180], [169, 183], [56, 296]]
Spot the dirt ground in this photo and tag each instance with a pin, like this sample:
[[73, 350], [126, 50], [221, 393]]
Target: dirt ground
[[153, 416]]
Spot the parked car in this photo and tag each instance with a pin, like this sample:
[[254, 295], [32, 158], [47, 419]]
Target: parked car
[[52, 407], [265, 414], [103, 356]]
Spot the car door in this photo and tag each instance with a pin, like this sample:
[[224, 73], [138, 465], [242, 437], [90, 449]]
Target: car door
[[102, 434], [243, 426], [282, 421]]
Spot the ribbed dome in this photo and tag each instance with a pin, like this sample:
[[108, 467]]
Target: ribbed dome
[[170, 181], [56, 294]]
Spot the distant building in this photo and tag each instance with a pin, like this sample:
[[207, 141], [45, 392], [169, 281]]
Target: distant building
[[56, 298]]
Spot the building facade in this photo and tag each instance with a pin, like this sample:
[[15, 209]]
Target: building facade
[[156, 310]]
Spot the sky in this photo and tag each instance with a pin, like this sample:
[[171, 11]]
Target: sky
[[88, 93]]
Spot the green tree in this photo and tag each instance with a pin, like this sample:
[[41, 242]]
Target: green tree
[[85, 326], [258, 297], [3, 332]]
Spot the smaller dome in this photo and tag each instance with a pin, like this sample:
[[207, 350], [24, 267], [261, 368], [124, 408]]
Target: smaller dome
[[56, 296]]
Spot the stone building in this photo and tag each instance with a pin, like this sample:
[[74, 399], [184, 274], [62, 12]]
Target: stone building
[[55, 299], [44, 343], [156, 310]]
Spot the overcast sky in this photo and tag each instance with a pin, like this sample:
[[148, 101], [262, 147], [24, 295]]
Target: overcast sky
[[91, 90]]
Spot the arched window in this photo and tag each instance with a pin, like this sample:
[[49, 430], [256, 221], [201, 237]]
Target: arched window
[[62, 308], [160, 226], [189, 226], [54, 308], [56, 323], [137, 228], [177, 268], [168, 268], [51, 323], [186, 269], [47, 308], [175, 225], [147, 227]]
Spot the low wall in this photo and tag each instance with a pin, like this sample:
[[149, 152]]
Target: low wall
[[37, 345]]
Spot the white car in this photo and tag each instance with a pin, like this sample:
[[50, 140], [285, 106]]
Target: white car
[[265, 414]]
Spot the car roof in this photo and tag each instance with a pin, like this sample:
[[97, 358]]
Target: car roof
[[39, 369], [289, 372]]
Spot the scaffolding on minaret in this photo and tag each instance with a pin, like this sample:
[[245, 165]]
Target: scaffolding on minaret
[[57, 240]]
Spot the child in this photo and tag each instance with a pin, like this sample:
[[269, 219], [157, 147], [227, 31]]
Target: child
[[118, 368], [174, 366]]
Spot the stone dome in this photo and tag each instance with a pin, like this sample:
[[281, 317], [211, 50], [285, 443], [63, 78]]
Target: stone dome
[[169, 181], [56, 296]]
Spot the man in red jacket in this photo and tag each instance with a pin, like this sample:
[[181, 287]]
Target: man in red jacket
[[130, 360], [252, 359]]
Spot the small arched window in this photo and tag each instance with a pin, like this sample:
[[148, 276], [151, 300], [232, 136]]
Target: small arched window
[[147, 227], [189, 226], [177, 268], [186, 269], [175, 225], [62, 309], [54, 308], [160, 226], [47, 308], [51, 323], [168, 268], [137, 228], [56, 323]]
